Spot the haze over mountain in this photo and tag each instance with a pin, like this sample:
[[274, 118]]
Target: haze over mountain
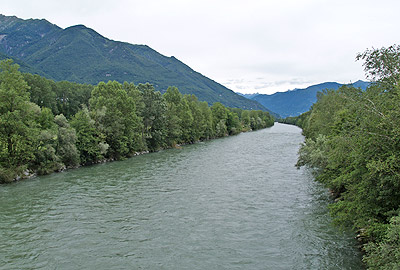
[[80, 54], [298, 101]]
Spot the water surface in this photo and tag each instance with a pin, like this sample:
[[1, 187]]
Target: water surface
[[231, 203]]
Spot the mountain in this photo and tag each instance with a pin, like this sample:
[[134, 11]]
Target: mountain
[[298, 101], [249, 96], [80, 54]]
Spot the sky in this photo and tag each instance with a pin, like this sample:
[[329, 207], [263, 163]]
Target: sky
[[249, 46]]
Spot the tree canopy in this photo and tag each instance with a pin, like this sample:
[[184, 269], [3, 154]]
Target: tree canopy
[[353, 145], [48, 126]]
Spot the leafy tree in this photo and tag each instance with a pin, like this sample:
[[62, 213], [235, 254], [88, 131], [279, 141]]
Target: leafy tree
[[71, 96], [386, 254], [136, 93], [206, 125], [220, 117], [41, 91], [115, 115], [90, 142], [233, 123], [46, 160], [18, 128], [353, 139], [198, 126], [173, 99], [246, 119], [154, 117], [382, 65], [186, 117], [66, 142]]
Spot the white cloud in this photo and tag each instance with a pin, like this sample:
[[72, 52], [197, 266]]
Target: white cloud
[[288, 43]]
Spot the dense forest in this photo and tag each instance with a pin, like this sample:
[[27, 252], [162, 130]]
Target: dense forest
[[47, 126], [353, 145]]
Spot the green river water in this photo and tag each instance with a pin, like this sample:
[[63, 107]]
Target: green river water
[[231, 203]]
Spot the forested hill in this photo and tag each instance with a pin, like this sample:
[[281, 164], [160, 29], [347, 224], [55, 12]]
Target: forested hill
[[80, 54], [298, 101]]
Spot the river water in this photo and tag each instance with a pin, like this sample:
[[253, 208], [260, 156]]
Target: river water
[[231, 203]]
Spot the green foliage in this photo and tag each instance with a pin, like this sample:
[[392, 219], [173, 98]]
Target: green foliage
[[313, 153], [299, 121], [41, 91], [115, 115], [173, 99], [46, 161], [18, 128], [154, 117], [70, 97], [121, 120], [385, 255], [7, 175], [353, 140], [89, 140], [61, 97], [66, 142], [220, 116], [382, 65], [206, 123]]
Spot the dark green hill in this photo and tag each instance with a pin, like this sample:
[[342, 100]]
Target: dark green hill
[[23, 66], [298, 101], [80, 54]]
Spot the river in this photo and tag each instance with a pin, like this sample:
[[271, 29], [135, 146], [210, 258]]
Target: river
[[231, 203]]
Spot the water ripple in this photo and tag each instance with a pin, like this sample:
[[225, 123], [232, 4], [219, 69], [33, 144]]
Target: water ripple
[[231, 203]]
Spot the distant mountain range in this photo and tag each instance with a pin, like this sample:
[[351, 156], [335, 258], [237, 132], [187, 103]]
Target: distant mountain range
[[80, 54], [298, 101]]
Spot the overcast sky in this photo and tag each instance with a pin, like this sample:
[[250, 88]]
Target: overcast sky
[[249, 46]]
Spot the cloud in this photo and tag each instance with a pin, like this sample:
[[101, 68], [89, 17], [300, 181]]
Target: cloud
[[287, 43]]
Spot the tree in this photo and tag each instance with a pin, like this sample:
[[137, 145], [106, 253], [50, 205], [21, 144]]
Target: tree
[[46, 161], [233, 123], [206, 124], [220, 117], [115, 115], [154, 117], [186, 117], [353, 139], [173, 99], [66, 139], [41, 91], [135, 92], [246, 119], [71, 96], [386, 254], [18, 128], [90, 142], [197, 127], [382, 65]]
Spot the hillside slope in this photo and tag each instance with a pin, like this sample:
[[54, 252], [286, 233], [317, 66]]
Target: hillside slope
[[80, 54]]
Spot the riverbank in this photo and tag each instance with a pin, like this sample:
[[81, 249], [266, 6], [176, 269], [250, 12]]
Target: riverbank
[[28, 174], [234, 202], [352, 141], [79, 124]]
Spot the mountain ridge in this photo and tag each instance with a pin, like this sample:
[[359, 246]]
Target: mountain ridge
[[297, 101], [80, 54]]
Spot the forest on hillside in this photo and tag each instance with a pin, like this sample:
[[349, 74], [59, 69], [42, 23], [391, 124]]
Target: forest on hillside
[[80, 54], [353, 146], [47, 126]]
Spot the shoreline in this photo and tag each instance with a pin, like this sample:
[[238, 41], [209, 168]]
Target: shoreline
[[28, 174]]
